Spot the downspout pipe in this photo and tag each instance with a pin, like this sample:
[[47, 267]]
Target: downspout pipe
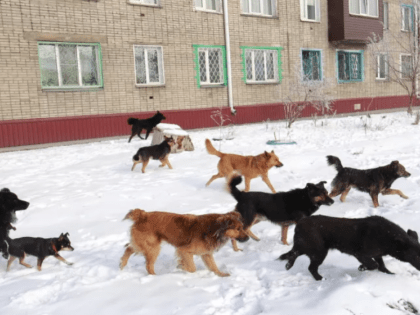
[[229, 62]]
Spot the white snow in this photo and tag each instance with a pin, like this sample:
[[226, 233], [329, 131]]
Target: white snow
[[87, 190]]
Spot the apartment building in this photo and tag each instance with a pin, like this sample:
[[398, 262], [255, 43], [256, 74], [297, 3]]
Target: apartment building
[[78, 69]]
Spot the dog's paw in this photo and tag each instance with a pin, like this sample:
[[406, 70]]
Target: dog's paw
[[288, 265], [362, 268], [69, 263], [223, 274]]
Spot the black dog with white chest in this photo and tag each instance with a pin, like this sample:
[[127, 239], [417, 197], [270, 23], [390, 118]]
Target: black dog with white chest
[[147, 124], [38, 247], [283, 208], [9, 204], [367, 239]]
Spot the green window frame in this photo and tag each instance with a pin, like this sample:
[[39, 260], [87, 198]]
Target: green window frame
[[311, 64], [70, 66], [261, 64], [350, 66], [210, 65]]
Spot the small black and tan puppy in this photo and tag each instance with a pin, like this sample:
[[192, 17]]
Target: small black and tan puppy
[[367, 239], [147, 124], [283, 208], [9, 204], [38, 247], [373, 181], [156, 152]]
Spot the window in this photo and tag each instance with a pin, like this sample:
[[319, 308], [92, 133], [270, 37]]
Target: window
[[259, 7], [208, 5], [385, 16], [350, 66], [407, 18], [146, 2], [364, 7], [382, 67], [70, 66], [310, 10], [261, 64], [406, 66], [311, 65], [148, 61], [210, 65]]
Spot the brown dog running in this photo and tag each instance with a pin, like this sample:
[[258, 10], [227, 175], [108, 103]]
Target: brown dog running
[[249, 166], [190, 234]]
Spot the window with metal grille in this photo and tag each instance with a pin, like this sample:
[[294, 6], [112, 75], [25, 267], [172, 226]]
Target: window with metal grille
[[148, 61], [350, 66], [310, 10], [364, 7], [145, 2], [385, 16], [407, 18], [406, 66], [210, 65], [382, 67], [311, 65], [70, 66], [208, 5], [259, 7], [261, 64]]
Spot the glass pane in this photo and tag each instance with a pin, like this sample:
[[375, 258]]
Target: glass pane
[[306, 64], [68, 64], [150, 1], [215, 59], [202, 65], [48, 65], [267, 7], [89, 65], [382, 67], [373, 7], [310, 6], [270, 65], [343, 66], [245, 6], [199, 3], [406, 13], [355, 66], [363, 6], [211, 4], [152, 58], [259, 65], [316, 65], [256, 6], [406, 66], [355, 6], [140, 66], [248, 64], [385, 15]]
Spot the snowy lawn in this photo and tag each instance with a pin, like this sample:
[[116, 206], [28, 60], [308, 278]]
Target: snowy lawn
[[87, 189]]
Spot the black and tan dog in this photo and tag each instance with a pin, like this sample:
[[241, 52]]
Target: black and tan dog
[[156, 152], [373, 181], [38, 247], [9, 204], [147, 124], [283, 208], [367, 239]]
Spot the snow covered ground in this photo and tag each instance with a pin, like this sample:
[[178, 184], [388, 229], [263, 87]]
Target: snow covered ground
[[87, 189]]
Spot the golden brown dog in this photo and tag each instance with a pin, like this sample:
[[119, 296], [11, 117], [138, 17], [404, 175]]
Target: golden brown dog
[[248, 166], [190, 234]]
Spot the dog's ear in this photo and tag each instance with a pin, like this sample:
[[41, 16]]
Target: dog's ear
[[266, 154], [60, 238], [413, 234], [67, 234], [395, 164], [321, 184], [272, 151]]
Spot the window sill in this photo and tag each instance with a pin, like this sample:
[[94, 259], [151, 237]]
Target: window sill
[[260, 16], [365, 16], [347, 82], [262, 83], [207, 11], [140, 86], [157, 6], [310, 21], [378, 80], [209, 86], [94, 89]]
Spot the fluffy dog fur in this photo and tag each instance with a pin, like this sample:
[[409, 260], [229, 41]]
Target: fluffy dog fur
[[38, 247], [367, 239], [249, 166], [147, 124], [190, 234], [283, 208], [373, 181], [156, 152], [9, 204]]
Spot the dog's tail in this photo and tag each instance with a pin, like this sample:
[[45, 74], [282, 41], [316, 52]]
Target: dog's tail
[[131, 121], [333, 160], [135, 215], [235, 192], [212, 150]]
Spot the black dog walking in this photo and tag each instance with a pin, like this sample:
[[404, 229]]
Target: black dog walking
[[147, 124]]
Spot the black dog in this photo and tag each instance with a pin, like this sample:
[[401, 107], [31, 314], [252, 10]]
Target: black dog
[[148, 124], [9, 204], [284, 208], [156, 152], [38, 247], [373, 181], [367, 239]]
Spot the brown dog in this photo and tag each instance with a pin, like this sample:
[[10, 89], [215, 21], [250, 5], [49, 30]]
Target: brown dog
[[190, 234], [249, 166]]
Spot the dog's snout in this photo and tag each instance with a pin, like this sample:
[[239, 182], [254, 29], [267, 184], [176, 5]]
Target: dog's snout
[[407, 174], [243, 239]]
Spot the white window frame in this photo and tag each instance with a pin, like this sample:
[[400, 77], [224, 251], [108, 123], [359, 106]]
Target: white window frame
[[221, 69], [403, 10], [202, 5], [161, 66], [275, 66], [367, 8], [401, 66], [273, 8], [378, 67], [143, 2], [304, 11]]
